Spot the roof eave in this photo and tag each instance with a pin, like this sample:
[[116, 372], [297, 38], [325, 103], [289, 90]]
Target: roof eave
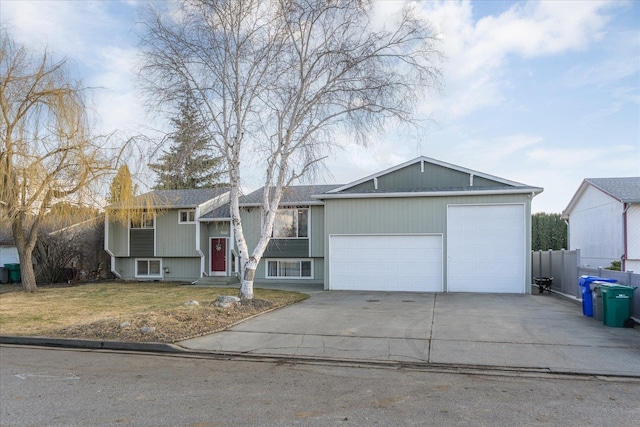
[[529, 190], [300, 203]]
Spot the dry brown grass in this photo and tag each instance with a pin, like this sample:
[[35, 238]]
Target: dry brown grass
[[95, 311]]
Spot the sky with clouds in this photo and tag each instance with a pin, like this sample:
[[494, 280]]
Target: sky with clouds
[[546, 93]]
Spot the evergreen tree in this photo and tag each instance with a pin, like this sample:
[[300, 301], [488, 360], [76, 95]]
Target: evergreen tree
[[188, 163], [122, 189], [548, 231]]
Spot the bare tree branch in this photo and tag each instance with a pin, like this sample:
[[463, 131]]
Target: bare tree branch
[[281, 78], [48, 154]]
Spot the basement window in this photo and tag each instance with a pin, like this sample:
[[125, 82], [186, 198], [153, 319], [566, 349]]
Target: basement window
[[148, 268], [289, 269]]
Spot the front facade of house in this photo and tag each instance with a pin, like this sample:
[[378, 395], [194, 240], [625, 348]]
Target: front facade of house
[[604, 222], [424, 226]]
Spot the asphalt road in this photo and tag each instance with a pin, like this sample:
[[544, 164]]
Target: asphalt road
[[59, 387]]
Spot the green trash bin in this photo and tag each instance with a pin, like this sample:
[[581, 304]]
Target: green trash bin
[[14, 272], [616, 304]]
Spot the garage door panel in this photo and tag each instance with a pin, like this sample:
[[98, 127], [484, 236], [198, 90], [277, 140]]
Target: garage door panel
[[485, 248], [386, 262]]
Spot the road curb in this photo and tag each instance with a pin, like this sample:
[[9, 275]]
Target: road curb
[[92, 344], [280, 358]]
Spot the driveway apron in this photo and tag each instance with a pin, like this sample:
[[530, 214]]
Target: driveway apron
[[493, 330]]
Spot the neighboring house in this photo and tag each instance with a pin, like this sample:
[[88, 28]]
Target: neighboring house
[[8, 250], [604, 222], [424, 225]]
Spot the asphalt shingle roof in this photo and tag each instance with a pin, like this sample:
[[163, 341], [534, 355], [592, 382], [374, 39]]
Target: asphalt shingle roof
[[187, 198], [220, 212], [623, 189], [294, 194]]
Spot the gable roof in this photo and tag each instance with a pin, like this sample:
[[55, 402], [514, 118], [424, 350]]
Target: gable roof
[[186, 198], [424, 176], [221, 213], [293, 195], [624, 190]]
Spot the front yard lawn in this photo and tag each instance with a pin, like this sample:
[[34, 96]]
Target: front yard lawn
[[154, 312]]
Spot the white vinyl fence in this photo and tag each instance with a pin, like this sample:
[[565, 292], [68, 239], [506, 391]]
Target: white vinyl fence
[[563, 266]]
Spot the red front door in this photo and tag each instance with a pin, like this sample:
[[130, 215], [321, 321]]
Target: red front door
[[219, 255]]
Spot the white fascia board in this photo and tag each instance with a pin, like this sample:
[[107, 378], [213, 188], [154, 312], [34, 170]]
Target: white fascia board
[[213, 219], [214, 203], [301, 203], [576, 197], [428, 160], [529, 190]]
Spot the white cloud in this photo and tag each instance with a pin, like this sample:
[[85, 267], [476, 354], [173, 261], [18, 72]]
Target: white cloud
[[561, 170], [70, 29], [96, 42], [478, 51], [605, 72]]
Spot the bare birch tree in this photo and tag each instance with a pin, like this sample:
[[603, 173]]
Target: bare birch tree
[[280, 78], [47, 154]]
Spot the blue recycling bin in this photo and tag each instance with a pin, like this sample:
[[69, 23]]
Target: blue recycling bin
[[585, 289]]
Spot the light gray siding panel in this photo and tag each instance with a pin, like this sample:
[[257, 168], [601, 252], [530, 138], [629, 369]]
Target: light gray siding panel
[[318, 273], [118, 238], [174, 239], [405, 215], [363, 186], [251, 226], [126, 268], [317, 231], [181, 269], [484, 182], [413, 177], [399, 215]]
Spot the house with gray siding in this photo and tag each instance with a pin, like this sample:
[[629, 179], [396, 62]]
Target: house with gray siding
[[166, 242], [422, 226]]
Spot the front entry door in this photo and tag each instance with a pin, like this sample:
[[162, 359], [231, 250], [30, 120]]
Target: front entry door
[[218, 256]]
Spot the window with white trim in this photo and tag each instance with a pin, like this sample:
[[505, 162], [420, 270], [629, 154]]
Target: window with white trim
[[289, 269], [186, 216], [291, 224], [145, 220], [146, 268]]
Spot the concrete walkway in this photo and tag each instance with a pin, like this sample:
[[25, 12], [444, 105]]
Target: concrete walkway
[[502, 331]]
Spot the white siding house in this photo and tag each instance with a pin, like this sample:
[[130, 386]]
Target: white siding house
[[8, 251], [604, 222]]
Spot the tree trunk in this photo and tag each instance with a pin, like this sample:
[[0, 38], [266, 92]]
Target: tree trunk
[[27, 274], [246, 287]]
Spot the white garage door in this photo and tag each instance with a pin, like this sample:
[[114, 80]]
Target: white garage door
[[385, 263], [486, 248]]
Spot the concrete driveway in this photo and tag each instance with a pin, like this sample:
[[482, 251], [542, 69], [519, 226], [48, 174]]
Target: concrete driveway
[[503, 331]]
